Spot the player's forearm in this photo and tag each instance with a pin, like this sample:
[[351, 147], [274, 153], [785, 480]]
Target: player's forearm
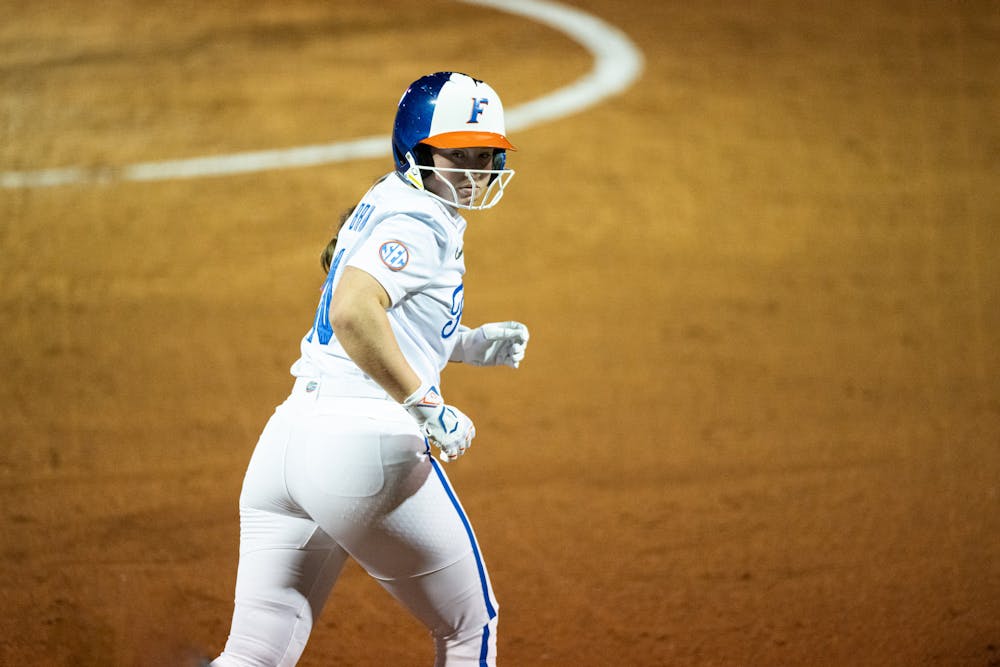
[[363, 330]]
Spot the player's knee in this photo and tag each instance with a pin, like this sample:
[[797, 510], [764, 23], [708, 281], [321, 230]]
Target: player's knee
[[266, 634]]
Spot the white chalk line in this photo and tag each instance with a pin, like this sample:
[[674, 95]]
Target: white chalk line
[[617, 64]]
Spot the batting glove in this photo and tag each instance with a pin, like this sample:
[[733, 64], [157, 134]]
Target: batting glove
[[445, 426], [493, 344]]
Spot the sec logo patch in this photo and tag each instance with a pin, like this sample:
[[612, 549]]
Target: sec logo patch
[[394, 255]]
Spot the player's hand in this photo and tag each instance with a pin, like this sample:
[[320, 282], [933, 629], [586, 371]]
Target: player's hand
[[493, 344], [445, 426]]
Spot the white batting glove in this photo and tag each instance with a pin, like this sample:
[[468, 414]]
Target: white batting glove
[[493, 344], [444, 425]]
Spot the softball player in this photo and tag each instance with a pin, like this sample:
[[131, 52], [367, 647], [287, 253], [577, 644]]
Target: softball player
[[343, 468]]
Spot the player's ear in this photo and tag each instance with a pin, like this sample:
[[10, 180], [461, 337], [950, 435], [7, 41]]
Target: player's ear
[[425, 158], [422, 152]]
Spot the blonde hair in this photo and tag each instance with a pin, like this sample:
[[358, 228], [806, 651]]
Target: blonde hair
[[326, 257]]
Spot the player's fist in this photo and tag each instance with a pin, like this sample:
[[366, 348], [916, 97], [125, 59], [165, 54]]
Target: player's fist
[[444, 425], [493, 344]]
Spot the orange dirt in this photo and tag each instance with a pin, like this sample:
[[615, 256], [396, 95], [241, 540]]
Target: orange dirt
[[759, 421]]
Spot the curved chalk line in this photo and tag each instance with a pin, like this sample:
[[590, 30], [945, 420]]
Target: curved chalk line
[[617, 64]]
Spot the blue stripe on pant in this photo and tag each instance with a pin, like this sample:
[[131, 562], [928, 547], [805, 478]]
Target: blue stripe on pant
[[490, 608]]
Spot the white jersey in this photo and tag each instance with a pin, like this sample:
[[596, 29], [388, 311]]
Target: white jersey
[[412, 245]]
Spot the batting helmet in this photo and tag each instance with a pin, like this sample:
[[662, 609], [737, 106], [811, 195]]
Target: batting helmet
[[450, 110]]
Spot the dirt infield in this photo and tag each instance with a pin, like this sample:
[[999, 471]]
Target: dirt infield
[[759, 421]]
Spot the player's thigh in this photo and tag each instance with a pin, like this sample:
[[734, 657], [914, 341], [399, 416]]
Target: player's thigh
[[289, 557], [455, 601], [285, 574]]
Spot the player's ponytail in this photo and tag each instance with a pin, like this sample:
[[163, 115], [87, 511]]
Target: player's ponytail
[[326, 257]]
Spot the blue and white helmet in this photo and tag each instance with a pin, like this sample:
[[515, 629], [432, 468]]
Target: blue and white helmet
[[451, 110]]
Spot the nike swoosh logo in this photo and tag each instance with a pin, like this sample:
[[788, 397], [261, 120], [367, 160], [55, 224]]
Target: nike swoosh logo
[[458, 253]]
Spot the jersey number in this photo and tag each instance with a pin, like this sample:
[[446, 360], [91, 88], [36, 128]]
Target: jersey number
[[321, 323]]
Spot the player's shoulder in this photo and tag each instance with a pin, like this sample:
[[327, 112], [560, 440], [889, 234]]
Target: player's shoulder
[[393, 193], [395, 201]]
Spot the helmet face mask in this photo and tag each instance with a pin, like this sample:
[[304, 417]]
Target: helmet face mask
[[480, 198], [419, 170], [451, 110]]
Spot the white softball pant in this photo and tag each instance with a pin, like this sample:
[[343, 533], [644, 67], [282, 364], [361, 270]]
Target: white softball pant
[[333, 478]]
